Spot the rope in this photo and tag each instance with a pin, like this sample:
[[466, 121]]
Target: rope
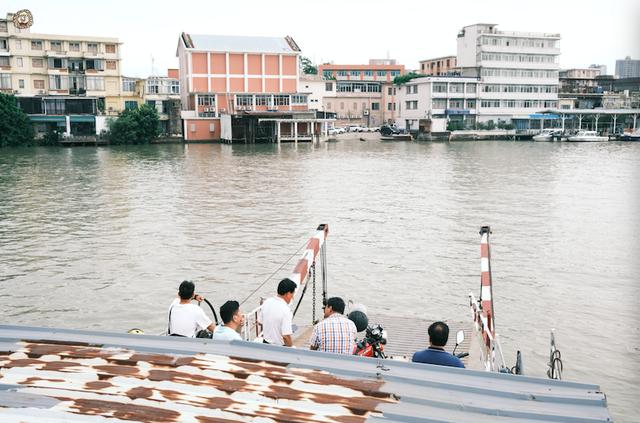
[[272, 274], [555, 365], [313, 317]]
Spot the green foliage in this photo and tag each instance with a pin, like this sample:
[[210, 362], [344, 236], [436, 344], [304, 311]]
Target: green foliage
[[307, 66], [52, 137], [136, 126], [406, 78], [455, 125], [15, 127]]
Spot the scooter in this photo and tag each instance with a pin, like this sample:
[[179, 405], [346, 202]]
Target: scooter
[[372, 345]]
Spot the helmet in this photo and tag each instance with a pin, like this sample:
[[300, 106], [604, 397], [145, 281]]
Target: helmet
[[359, 319]]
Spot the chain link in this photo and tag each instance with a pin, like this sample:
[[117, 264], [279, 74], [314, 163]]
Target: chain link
[[313, 269]]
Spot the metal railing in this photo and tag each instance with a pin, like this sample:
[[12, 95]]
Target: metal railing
[[492, 362]]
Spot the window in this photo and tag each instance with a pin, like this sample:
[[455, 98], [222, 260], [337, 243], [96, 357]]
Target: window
[[19, 62], [37, 63], [381, 73], [56, 45], [58, 82], [4, 61], [355, 73], [54, 106], [342, 73], [206, 100], [298, 99], [263, 100], [471, 104], [74, 46], [389, 91], [411, 105], [92, 48], [368, 73], [390, 106], [110, 48], [456, 104], [95, 64], [5, 80], [3, 44], [128, 84], [375, 106], [20, 83], [3, 26], [111, 64], [38, 84], [439, 103], [55, 63], [328, 86], [439, 87], [456, 87], [130, 105], [395, 73], [281, 100], [36, 45], [412, 89], [174, 86], [244, 100], [95, 83], [471, 88]]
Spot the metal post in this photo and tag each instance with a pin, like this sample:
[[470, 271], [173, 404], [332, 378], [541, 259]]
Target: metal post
[[579, 122], [597, 118], [615, 120], [278, 131], [635, 118], [563, 117], [295, 132]]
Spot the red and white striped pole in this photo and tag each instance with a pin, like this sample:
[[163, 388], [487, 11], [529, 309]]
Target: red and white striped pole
[[300, 272], [486, 292]]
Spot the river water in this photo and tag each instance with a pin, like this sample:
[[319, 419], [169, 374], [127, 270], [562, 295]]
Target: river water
[[99, 238]]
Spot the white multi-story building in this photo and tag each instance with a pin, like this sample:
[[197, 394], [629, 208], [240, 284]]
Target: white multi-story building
[[627, 68], [61, 81], [437, 97], [518, 71]]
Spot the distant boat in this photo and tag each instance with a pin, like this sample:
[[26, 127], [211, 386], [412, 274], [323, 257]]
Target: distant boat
[[396, 137], [633, 136], [587, 136], [547, 135]]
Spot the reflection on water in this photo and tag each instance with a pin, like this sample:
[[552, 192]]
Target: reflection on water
[[99, 238]]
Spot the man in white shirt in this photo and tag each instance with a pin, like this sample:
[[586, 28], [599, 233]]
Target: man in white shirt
[[186, 319], [233, 320], [277, 316]]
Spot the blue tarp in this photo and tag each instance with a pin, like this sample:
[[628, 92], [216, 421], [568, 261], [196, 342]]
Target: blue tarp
[[543, 116]]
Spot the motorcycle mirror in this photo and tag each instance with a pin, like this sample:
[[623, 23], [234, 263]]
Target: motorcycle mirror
[[459, 337]]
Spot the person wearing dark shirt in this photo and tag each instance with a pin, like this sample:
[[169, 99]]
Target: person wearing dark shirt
[[435, 354]]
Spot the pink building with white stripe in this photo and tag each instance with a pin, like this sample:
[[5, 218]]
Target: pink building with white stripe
[[240, 76]]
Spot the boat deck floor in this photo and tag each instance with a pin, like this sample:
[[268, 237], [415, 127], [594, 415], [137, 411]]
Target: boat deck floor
[[407, 335]]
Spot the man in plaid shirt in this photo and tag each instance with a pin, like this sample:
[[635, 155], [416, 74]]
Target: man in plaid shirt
[[336, 333]]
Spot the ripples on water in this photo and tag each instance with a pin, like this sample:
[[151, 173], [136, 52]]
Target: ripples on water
[[99, 238]]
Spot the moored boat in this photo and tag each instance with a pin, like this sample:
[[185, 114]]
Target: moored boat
[[587, 136], [632, 136], [547, 135], [396, 137]]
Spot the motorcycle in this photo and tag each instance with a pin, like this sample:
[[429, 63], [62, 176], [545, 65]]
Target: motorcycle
[[372, 345]]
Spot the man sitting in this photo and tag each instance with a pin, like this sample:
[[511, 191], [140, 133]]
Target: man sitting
[[435, 354], [336, 333], [186, 319], [233, 319]]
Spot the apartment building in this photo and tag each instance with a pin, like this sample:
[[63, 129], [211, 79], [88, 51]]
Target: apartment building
[[360, 91], [61, 81], [518, 71], [438, 66], [627, 68], [163, 93], [453, 98], [242, 88]]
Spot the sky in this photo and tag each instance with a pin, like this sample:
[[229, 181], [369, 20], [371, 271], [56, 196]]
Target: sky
[[346, 31]]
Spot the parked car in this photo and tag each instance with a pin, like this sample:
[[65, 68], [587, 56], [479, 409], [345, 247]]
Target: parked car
[[340, 130], [353, 128]]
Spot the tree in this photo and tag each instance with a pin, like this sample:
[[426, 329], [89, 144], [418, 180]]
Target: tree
[[401, 79], [307, 66], [15, 126], [137, 126]]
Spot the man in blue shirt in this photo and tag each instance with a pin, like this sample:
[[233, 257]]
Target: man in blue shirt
[[233, 320], [435, 354]]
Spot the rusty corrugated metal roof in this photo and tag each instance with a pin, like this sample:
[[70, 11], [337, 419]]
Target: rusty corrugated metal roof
[[66, 375]]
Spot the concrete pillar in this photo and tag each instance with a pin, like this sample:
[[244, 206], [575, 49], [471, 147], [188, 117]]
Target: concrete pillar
[[67, 119], [579, 122], [615, 120], [635, 118], [563, 117], [278, 131], [295, 132], [597, 118]]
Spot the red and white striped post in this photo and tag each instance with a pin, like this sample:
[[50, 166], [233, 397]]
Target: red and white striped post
[[486, 292]]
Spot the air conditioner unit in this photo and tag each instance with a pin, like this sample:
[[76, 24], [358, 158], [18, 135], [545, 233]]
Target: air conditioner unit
[[206, 110], [41, 92], [223, 110]]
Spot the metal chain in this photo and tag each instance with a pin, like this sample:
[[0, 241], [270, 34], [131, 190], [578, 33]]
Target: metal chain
[[313, 269]]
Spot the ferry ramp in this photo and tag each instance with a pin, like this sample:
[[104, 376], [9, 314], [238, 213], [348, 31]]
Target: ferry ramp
[[66, 375]]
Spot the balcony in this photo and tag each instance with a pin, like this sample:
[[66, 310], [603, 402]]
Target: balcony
[[77, 91], [55, 53]]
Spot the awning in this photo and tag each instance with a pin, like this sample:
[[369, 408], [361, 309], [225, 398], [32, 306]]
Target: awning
[[456, 112], [82, 118], [44, 118], [543, 116]]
